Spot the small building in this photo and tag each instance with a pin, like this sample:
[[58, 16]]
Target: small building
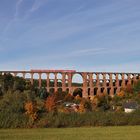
[[130, 106]]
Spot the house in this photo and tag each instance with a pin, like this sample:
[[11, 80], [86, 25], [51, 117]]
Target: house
[[130, 106]]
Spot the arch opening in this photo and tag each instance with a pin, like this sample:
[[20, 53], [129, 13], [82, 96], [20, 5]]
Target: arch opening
[[77, 80], [44, 80], [35, 80], [78, 92]]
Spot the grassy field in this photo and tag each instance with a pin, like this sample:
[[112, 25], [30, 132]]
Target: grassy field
[[94, 133]]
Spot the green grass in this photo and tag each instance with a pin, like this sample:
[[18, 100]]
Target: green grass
[[93, 133]]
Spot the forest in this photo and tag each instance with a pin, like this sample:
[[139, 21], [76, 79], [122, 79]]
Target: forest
[[23, 105]]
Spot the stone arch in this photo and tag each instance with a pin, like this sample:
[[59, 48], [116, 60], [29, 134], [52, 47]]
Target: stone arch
[[59, 83], [59, 75], [66, 76], [131, 76], [89, 91], [113, 76], [125, 76], [44, 80], [36, 79], [95, 92], [120, 76], [120, 79], [13, 74], [100, 76], [115, 90], [51, 79], [137, 76], [107, 76], [126, 79], [114, 79], [94, 78], [51, 90], [78, 91], [107, 79], [20, 75], [59, 90], [66, 80], [28, 78], [108, 90], [67, 90], [102, 89], [77, 80], [101, 79]]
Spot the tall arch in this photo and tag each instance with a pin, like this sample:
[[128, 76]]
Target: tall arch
[[77, 80]]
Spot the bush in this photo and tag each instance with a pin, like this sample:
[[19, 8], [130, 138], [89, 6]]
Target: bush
[[12, 111]]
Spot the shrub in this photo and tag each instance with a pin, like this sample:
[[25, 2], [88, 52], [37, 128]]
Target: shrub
[[50, 103], [31, 110]]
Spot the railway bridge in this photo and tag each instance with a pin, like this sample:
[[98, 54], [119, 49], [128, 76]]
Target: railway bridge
[[92, 83]]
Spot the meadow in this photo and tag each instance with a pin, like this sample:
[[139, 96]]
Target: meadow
[[82, 133]]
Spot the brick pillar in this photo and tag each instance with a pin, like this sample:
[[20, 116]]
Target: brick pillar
[[55, 82], [111, 85], [23, 75], [97, 80], [98, 84], [63, 82], [48, 82], [123, 80], [135, 78], [117, 80], [129, 79], [70, 83], [104, 80], [40, 80], [91, 83], [104, 83], [32, 78], [110, 80], [15, 74], [117, 83], [84, 75]]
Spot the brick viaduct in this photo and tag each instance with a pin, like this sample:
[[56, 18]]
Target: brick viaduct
[[93, 83]]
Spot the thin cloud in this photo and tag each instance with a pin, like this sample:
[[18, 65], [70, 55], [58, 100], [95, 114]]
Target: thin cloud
[[89, 51], [17, 8], [15, 17], [37, 4]]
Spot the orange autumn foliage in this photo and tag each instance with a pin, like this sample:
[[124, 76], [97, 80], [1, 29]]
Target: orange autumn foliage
[[121, 94], [31, 110], [50, 103]]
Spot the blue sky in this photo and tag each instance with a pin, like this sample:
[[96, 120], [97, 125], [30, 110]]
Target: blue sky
[[85, 35]]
